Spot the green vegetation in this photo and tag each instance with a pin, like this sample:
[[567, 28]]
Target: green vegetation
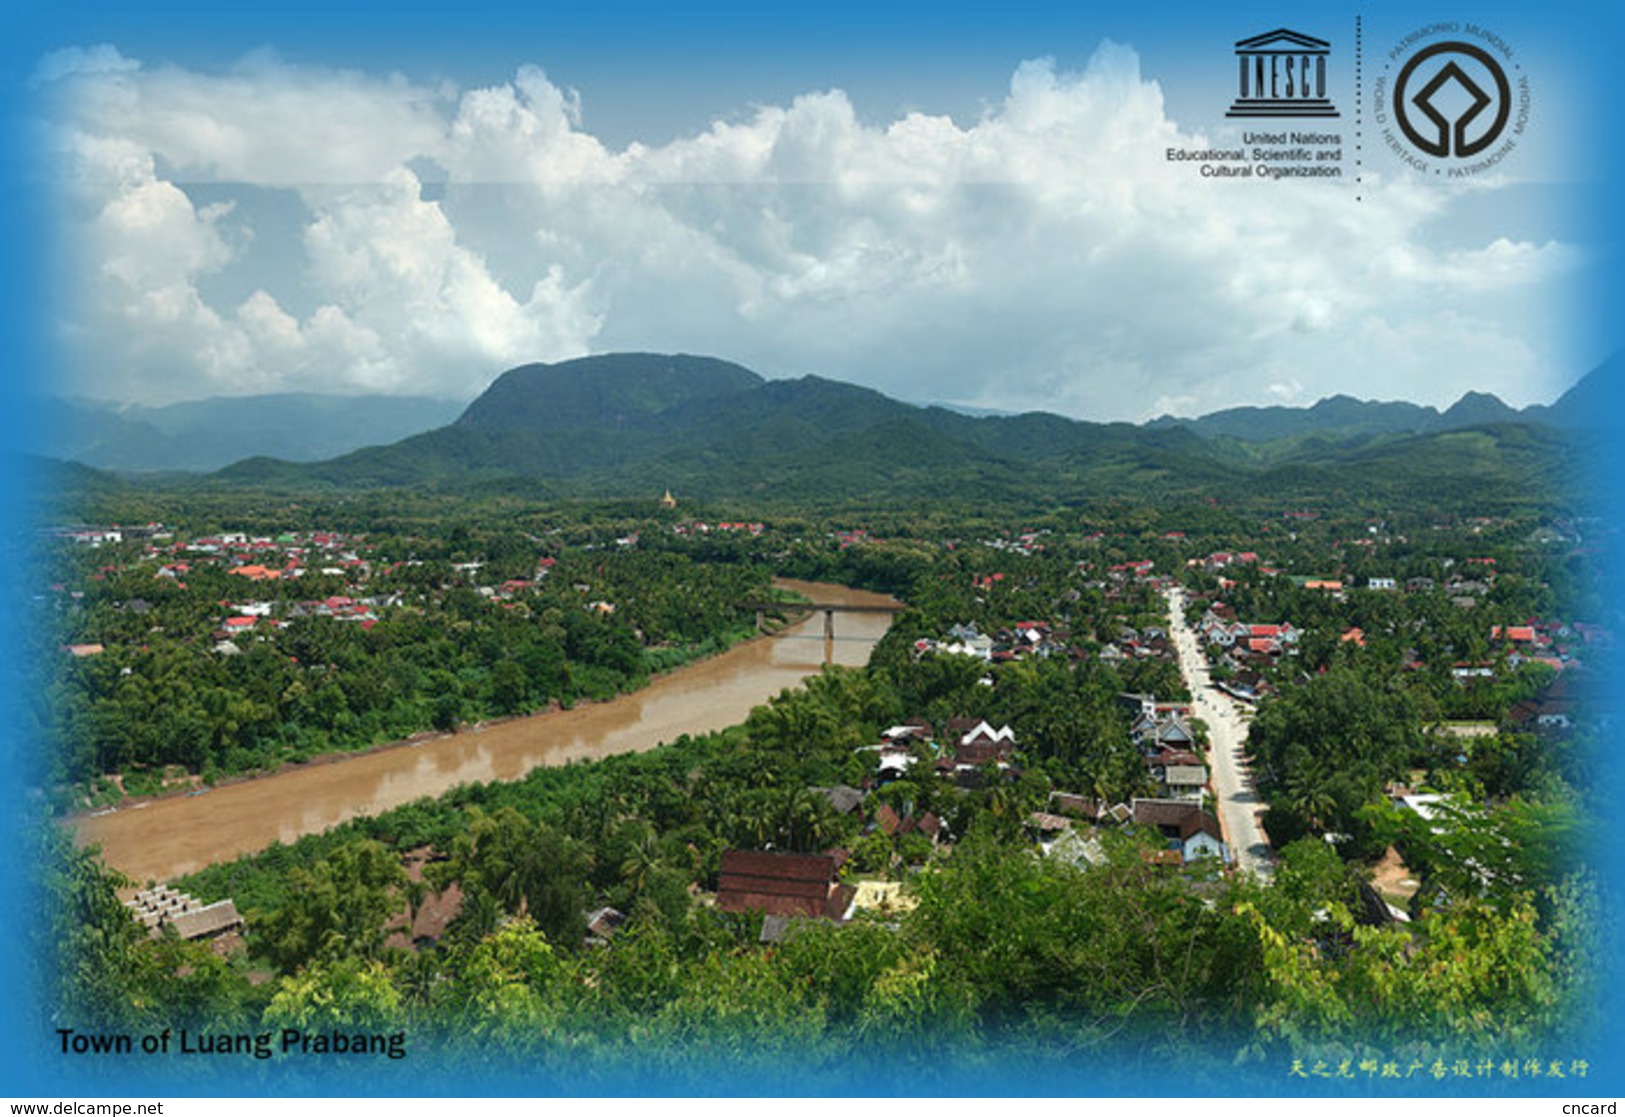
[[629, 424], [380, 636], [475, 923]]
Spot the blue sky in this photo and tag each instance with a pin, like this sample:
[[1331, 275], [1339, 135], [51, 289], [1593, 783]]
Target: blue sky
[[939, 202]]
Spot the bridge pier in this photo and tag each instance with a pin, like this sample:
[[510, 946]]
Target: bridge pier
[[762, 608]]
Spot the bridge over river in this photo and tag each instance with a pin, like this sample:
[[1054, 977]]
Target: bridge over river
[[828, 608]]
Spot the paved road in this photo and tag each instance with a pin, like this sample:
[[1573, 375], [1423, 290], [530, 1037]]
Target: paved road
[[1239, 805]]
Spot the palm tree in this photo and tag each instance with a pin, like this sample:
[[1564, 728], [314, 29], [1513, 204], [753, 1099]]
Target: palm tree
[[641, 860], [757, 819], [1307, 795], [800, 814]]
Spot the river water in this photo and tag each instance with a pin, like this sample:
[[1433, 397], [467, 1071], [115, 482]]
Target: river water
[[170, 837]]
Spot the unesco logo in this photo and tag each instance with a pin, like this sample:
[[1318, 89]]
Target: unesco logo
[[1282, 73], [1452, 99]]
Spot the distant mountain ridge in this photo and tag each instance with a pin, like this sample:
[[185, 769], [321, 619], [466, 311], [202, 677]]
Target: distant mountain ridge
[[631, 424], [1343, 416], [626, 424], [210, 433]]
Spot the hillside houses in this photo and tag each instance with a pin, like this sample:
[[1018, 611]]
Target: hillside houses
[[1024, 638], [1560, 707], [260, 558], [971, 743], [104, 535], [90, 536], [699, 527], [260, 571], [1026, 543], [959, 750], [1168, 745], [161, 906], [1259, 639], [961, 639], [1169, 749], [892, 824], [1182, 832], [803, 885], [1185, 826], [1222, 560], [258, 616], [1150, 642], [1157, 727]]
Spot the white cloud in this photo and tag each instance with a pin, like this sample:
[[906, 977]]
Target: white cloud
[[523, 132], [75, 62], [1045, 256]]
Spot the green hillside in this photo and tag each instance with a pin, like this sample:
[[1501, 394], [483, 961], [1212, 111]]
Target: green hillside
[[630, 425]]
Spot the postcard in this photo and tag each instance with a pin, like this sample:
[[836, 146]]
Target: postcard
[[821, 550]]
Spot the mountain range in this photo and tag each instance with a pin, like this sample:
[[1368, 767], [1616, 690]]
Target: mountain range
[[1581, 406], [203, 435], [633, 424]]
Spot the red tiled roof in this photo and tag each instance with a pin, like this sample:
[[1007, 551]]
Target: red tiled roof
[[255, 572]]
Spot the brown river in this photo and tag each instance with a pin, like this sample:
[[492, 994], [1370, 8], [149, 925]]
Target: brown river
[[166, 838]]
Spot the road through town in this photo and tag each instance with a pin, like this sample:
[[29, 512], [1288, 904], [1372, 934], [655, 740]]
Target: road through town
[[1238, 803]]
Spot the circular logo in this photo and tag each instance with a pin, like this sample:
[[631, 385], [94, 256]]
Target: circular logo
[[1452, 99]]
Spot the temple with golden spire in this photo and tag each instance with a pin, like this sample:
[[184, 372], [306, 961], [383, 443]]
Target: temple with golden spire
[[667, 500]]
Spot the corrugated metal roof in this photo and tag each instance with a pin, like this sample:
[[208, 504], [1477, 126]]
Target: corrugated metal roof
[[211, 920]]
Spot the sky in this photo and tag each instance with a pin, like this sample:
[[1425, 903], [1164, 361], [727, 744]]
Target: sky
[[955, 208]]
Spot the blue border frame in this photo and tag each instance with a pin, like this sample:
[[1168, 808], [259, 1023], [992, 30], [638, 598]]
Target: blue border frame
[[797, 39]]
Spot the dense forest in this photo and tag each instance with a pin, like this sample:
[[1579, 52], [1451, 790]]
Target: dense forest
[[1465, 685]]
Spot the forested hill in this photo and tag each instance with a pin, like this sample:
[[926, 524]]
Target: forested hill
[[633, 424], [602, 391]]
